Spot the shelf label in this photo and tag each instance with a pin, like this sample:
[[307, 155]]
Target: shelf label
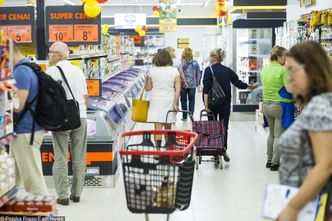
[[18, 23], [69, 24], [94, 87]]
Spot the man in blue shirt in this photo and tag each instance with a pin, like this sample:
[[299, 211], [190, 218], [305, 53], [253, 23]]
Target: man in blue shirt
[[28, 158]]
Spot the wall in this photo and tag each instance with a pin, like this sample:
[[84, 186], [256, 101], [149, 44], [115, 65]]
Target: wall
[[195, 36], [294, 11]]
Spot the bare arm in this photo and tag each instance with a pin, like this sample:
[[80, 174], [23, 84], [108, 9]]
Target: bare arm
[[183, 77], [317, 178], [22, 96], [148, 84], [86, 100], [206, 103], [177, 93]]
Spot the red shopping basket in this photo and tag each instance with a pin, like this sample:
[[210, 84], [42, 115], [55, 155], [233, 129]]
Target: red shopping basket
[[157, 180], [181, 138]]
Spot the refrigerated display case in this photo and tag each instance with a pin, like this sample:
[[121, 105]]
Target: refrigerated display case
[[108, 116], [253, 47]]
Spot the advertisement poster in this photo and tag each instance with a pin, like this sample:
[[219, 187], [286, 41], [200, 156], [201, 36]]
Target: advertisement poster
[[167, 19]]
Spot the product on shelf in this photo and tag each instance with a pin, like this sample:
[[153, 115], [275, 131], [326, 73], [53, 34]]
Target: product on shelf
[[7, 172], [31, 204]]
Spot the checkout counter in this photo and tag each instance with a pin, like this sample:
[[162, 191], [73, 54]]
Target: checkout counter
[[108, 116]]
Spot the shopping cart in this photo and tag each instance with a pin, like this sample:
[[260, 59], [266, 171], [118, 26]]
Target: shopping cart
[[180, 138], [210, 142], [157, 180]]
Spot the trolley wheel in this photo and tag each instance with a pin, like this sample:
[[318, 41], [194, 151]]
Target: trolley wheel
[[221, 162], [197, 162]]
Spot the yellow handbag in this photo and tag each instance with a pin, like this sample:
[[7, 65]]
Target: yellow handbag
[[140, 110]]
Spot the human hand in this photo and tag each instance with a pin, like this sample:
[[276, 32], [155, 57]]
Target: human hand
[[185, 85], [175, 107], [253, 86], [208, 110], [288, 214]]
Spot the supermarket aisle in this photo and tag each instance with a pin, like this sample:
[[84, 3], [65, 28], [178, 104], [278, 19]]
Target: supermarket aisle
[[234, 193]]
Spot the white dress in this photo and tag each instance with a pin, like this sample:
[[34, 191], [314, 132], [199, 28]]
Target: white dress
[[162, 94]]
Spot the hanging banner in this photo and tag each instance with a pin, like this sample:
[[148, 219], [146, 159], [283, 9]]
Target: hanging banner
[[167, 18], [183, 43]]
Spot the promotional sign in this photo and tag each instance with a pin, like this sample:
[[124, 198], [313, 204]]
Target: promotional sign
[[94, 87], [18, 23], [167, 17], [138, 41], [129, 20], [306, 3], [183, 42], [69, 24]]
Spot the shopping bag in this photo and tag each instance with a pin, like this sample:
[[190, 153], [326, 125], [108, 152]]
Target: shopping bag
[[140, 109], [276, 198]]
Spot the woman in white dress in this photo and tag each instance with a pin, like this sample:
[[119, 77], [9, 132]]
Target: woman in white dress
[[164, 85]]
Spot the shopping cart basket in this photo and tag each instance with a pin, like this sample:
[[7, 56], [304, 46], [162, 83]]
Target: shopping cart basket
[[180, 138], [157, 180], [211, 134]]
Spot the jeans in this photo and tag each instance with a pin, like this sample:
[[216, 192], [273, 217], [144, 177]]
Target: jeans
[[273, 114], [223, 114], [188, 94]]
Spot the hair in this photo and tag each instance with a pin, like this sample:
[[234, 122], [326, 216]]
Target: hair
[[318, 68], [162, 58], [61, 48], [218, 54], [277, 51], [171, 51], [187, 54]]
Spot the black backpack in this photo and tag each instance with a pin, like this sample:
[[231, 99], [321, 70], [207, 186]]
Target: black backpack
[[217, 96], [51, 111]]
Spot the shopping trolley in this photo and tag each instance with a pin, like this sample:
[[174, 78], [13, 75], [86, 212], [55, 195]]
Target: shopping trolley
[[210, 142], [157, 180], [180, 138]]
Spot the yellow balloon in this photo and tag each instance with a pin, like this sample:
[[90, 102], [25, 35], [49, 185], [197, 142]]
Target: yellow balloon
[[156, 13], [2, 1], [92, 8], [138, 29], [141, 33]]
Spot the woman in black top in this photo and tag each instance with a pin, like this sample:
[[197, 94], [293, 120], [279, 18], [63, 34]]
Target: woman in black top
[[225, 76]]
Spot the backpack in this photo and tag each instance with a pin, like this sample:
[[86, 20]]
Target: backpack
[[50, 112], [217, 96]]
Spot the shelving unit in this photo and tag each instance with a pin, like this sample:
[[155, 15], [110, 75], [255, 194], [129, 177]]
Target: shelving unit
[[152, 43]]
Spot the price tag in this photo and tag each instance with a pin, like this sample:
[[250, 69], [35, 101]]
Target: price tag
[[94, 87], [86, 32], [61, 33], [20, 33]]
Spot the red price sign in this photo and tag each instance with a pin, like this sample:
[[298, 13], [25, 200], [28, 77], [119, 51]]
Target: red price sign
[[61, 33], [20, 33], [86, 32], [94, 87]]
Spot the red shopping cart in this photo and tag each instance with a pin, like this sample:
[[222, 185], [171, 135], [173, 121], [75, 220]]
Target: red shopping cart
[[157, 180]]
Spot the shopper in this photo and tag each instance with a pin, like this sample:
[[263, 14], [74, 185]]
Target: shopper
[[164, 85], [274, 77], [58, 54], [305, 147], [177, 64], [192, 73], [29, 171], [225, 76]]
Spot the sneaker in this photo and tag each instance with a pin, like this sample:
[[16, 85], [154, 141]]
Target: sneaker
[[268, 164], [226, 156], [274, 167], [64, 202]]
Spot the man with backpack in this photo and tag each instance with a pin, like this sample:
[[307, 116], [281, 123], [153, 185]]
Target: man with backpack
[[73, 81], [26, 147]]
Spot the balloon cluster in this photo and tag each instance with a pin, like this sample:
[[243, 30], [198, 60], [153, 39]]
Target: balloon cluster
[[2, 1], [104, 29], [141, 31], [92, 7], [221, 8], [156, 11]]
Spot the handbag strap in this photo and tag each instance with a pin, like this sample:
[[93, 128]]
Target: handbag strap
[[65, 79], [141, 95]]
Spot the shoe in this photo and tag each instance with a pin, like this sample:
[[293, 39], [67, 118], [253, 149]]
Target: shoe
[[64, 202], [274, 167], [184, 119], [226, 156], [75, 199], [268, 164]]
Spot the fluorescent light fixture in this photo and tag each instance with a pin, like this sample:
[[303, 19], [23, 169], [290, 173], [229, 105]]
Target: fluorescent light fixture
[[69, 2], [178, 2], [148, 4], [206, 3]]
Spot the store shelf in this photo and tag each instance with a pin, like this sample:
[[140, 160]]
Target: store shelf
[[6, 139], [86, 56], [8, 195], [116, 58], [107, 77]]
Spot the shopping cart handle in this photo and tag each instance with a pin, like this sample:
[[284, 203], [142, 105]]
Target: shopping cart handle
[[207, 115], [182, 111]]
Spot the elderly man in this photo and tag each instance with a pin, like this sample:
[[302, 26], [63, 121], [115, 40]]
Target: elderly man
[[58, 55]]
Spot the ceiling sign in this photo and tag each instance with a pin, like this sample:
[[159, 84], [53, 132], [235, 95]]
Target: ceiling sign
[[129, 20], [18, 23], [69, 24]]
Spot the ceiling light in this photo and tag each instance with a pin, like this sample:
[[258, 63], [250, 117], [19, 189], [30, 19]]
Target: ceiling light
[[69, 2], [206, 3], [148, 4]]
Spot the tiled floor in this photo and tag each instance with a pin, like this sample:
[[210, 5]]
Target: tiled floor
[[232, 194]]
